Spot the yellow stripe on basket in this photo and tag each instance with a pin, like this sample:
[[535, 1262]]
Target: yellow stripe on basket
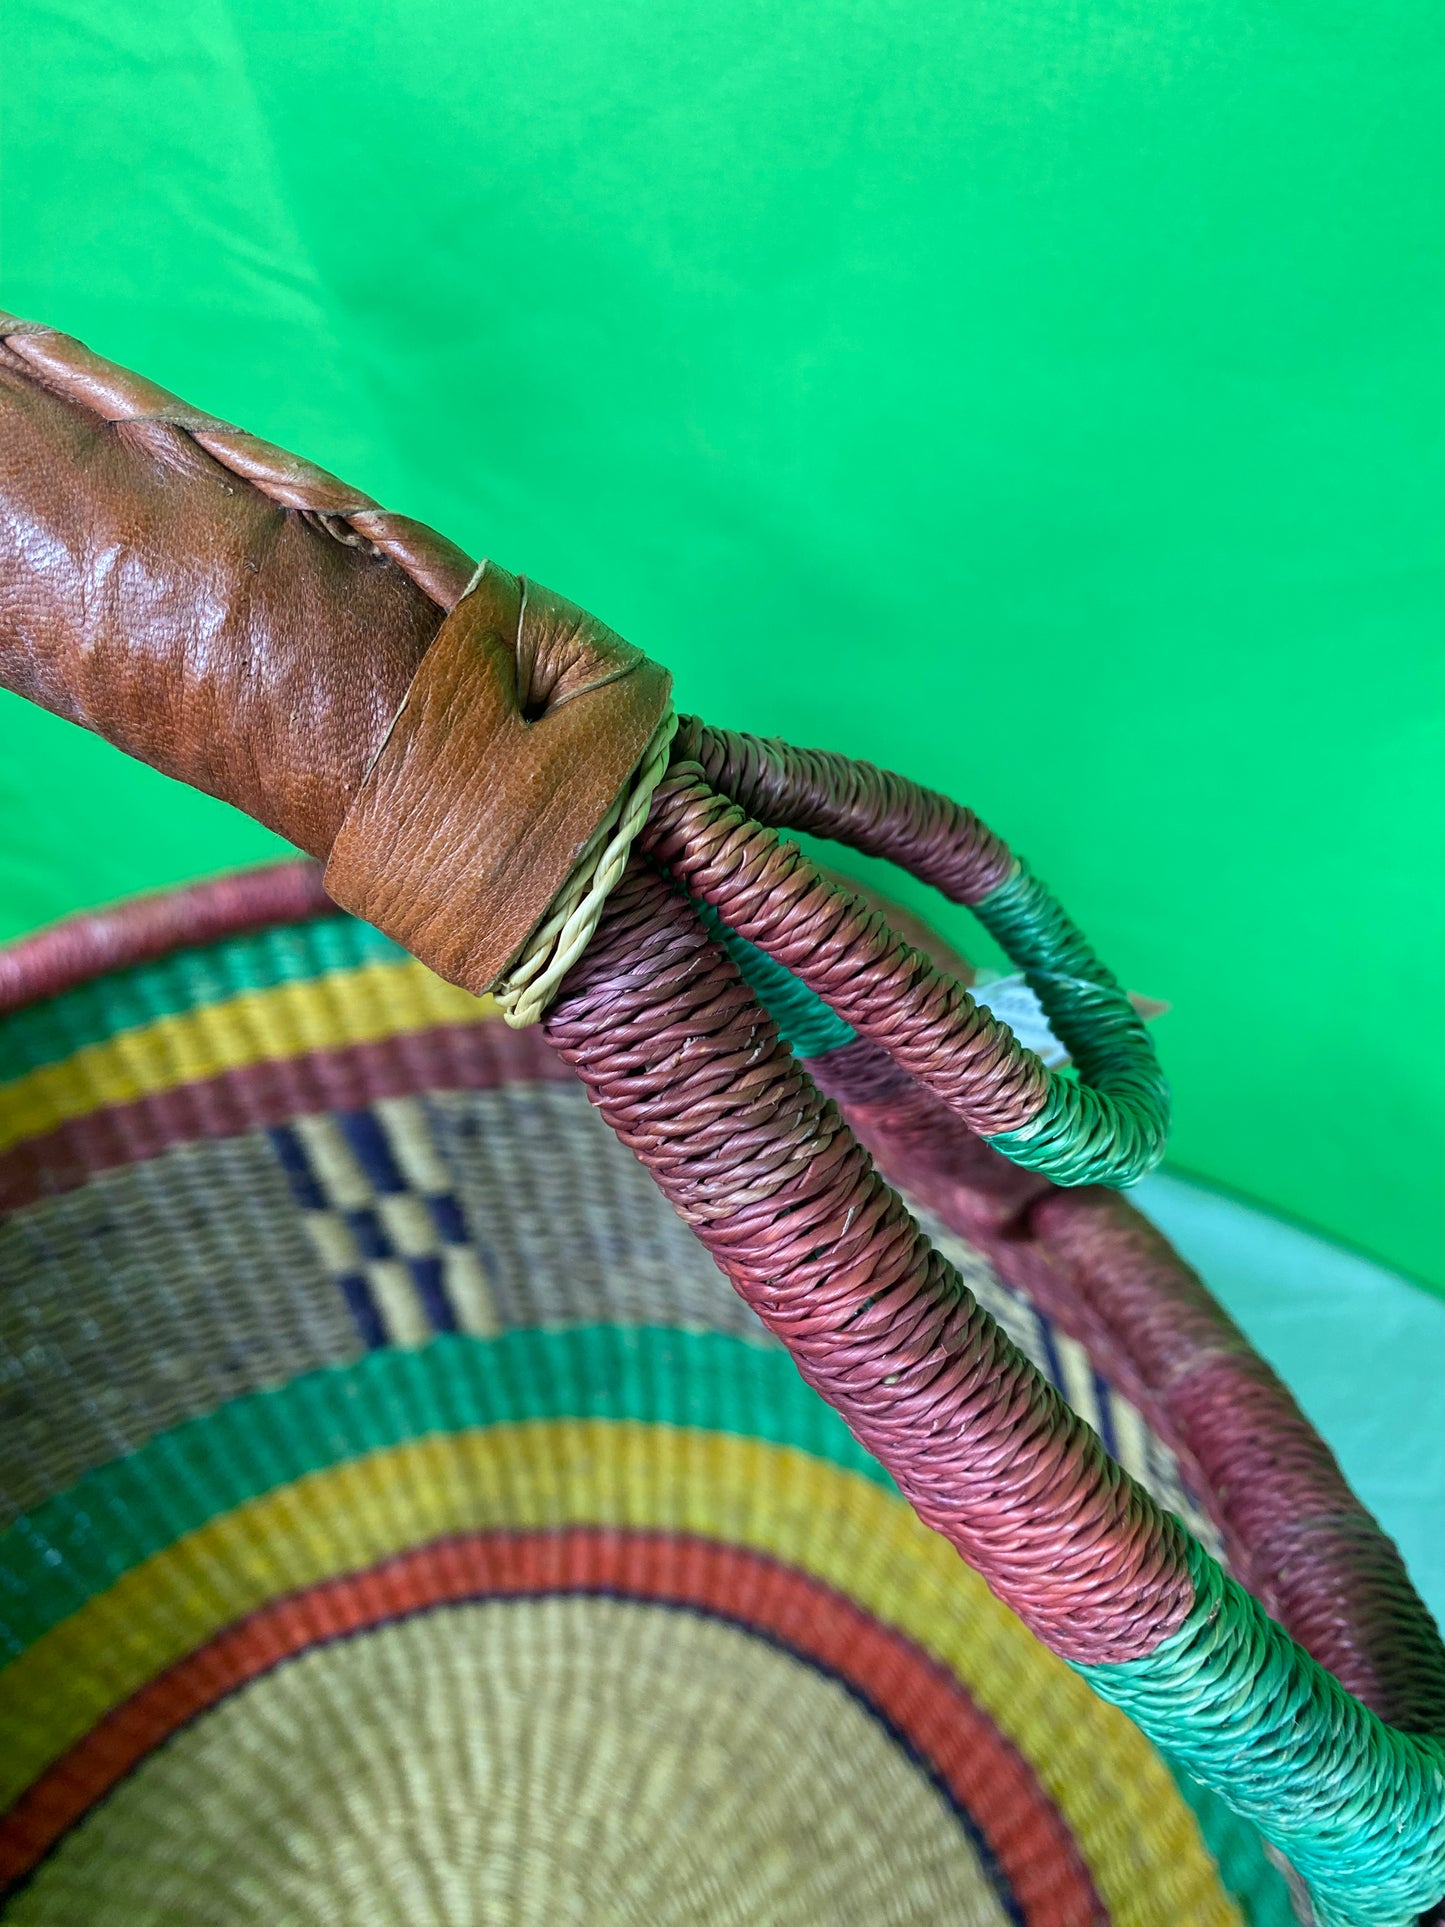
[[1136, 1834], [361, 1006]]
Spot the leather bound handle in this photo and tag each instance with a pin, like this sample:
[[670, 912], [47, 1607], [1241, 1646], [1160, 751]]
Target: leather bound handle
[[205, 602], [554, 711], [253, 626]]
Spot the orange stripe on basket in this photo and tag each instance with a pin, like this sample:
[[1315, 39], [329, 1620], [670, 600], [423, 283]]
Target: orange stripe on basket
[[447, 1057], [980, 1770]]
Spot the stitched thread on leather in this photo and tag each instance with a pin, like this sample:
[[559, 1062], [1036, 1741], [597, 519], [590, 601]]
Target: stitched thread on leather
[[67, 367]]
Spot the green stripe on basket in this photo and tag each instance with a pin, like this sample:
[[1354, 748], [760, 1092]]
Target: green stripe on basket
[[78, 1543], [126, 1000], [49, 1032]]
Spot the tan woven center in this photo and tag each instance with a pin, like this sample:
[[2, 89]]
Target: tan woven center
[[557, 1761]]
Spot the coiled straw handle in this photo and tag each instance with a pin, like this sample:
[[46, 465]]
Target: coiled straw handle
[[451, 741]]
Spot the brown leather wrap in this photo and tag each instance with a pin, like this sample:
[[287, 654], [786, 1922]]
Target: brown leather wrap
[[251, 625], [557, 711], [198, 622]]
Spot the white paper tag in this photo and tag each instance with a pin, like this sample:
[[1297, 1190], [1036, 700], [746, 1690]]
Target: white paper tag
[[1010, 999]]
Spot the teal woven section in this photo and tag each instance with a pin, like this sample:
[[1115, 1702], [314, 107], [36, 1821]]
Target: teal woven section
[[1108, 1125], [1244, 1867], [1357, 1808], [809, 1027]]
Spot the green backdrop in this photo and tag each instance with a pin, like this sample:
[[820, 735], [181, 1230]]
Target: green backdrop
[[1042, 398]]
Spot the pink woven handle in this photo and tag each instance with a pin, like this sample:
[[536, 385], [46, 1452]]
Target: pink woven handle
[[668, 1039], [1106, 1124]]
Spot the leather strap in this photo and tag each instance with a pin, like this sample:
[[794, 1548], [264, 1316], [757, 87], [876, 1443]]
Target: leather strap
[[522, 724], [211, 613], [249, 624]]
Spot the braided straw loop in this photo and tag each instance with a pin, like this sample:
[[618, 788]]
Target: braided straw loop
[[528, 986], [1111, 1125]]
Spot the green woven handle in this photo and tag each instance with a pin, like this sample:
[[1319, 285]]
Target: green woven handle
[[1110, 1124]]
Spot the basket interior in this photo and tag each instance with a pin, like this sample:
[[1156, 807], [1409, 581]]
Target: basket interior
[[403, 1521]]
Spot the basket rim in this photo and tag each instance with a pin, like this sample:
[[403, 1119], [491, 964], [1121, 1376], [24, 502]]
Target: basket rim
[[1233, 1424], [87, 944]]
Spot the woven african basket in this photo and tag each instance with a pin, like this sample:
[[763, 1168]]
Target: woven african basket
[[604, 1386]]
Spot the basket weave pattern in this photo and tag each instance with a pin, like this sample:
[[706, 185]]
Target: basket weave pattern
[[356, 1369]]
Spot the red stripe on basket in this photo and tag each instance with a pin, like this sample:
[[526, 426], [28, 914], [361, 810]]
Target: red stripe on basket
[[923, 1702], [448, 1057], [98, 941]]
